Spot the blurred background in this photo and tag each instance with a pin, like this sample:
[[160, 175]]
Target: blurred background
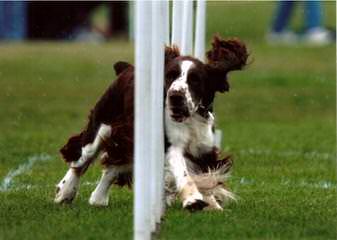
[[286, 22], [278, 120]]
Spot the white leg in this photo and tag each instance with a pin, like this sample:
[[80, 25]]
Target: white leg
[[189, 193], [66, 189], [100, 196], [91, 150]]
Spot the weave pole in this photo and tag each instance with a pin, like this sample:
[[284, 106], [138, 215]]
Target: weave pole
[[177, 27], [187, 29], [151, 33], [150, 36], [159, 26], [200, 35], [143, 120]]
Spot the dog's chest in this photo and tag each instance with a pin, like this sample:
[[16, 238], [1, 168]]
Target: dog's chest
[[195, 135]]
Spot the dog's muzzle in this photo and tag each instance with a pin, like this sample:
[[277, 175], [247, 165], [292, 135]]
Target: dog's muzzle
[[178, 106]]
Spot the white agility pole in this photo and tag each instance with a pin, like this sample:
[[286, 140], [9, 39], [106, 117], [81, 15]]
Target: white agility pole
[[200, 35], [157, 75], [217, 138], [166, 19], [161, 149], [151, 35], [187, 29], [143, 120], [177, 27]]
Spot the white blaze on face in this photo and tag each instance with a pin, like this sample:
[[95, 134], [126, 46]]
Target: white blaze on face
[[180, 84]]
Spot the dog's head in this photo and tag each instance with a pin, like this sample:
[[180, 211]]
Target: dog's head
[[190, 84]]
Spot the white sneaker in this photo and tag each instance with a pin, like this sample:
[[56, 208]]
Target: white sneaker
[[318, 36], [285, 37]]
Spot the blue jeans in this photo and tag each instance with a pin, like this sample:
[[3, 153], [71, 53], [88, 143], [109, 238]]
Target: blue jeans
[[312, 9], [13, 20]]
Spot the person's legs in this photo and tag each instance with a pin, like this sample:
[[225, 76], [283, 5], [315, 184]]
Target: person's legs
[[313, 14], [57, 20], [2, 19], [315, 32], [18, 24], [13, 20], [282, 15]]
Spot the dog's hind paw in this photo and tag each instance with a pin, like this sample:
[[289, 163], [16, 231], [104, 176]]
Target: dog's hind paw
[[98, 201], [197, 205]]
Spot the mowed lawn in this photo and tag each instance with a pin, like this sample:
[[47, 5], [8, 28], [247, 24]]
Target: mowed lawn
[[278, 121]]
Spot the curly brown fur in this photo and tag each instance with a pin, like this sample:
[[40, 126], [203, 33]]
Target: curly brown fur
[[225, 56], [231, 53], [171, 52]]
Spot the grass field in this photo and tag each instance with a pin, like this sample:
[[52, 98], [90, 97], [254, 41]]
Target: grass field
[[278, 121]]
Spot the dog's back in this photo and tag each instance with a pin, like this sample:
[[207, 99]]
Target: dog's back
[[114, 108]]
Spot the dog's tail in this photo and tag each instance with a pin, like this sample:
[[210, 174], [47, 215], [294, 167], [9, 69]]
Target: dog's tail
[[121, 66], [71, 151]]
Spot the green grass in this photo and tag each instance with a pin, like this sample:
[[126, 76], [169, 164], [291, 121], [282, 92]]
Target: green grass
[[278, 121]]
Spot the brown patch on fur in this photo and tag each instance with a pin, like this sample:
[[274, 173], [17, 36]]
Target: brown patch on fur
[[171, 53], [124, 179], [121, 66], [120, 145], [231, 53]]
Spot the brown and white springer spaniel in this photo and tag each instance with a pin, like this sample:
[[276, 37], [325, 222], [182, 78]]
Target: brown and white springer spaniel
[[195, 171]]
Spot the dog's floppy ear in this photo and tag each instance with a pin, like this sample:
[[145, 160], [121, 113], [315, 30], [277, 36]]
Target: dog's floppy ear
[[171, 53], [121, 66], [225, 56]]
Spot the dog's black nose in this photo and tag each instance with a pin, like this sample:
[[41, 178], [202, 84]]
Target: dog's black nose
[[176, 100]]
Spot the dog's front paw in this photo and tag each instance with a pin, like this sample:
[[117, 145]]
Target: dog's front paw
[[66, 189], [195, 203]]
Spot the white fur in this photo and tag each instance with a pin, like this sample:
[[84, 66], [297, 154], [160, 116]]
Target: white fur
[[194, 134], [67, 187], [91, 150], [201, 134], [177, 166], [100, 196], [193, 198], [180, 84]]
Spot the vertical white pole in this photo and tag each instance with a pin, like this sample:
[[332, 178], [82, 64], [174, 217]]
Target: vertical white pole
[[142, 151], [187, 33], [200, 35], [217, 138], [131, 20], [157, 74], [177, 27], [166, 21], [160, 103]]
